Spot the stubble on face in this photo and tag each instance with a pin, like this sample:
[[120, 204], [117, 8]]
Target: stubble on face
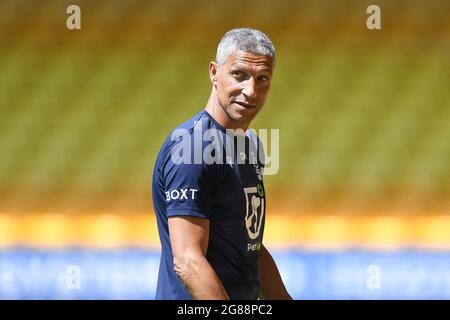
[[242, 86]]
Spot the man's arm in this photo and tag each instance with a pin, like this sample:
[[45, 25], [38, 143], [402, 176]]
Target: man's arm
[[271, 284], [189, 240]]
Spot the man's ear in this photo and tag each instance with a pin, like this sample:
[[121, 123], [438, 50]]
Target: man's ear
[[213, 70]]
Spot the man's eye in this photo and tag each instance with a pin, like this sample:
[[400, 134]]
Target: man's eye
[[263, 78], [237, 74]]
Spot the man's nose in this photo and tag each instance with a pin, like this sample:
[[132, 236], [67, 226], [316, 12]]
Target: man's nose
[[249, 88]]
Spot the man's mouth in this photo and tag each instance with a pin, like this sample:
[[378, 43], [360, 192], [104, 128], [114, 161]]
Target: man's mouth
[[245, 105]]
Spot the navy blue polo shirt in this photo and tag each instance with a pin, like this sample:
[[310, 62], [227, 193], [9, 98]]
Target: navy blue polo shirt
[[200, 173]]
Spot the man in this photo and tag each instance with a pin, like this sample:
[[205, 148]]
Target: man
[[210, 215]]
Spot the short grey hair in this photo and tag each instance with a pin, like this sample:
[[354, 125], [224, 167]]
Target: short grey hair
[[244, 39]]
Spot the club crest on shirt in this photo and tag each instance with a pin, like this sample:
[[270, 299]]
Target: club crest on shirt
[[254, 198]]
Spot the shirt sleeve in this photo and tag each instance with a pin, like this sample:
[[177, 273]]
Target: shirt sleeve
[[188, 189]]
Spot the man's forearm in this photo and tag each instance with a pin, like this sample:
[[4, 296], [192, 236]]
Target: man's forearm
[[200, 279], [271, 284]]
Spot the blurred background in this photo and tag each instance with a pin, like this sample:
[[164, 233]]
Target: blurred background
[[360, 208]]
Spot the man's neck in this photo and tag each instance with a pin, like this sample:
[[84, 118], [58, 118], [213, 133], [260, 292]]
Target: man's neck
[[216, 111]]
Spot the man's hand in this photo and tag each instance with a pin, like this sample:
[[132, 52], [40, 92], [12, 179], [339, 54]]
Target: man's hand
[[272, 286], [189, 240]]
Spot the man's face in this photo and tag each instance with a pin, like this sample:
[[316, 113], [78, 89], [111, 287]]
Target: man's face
[[242, 85]]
